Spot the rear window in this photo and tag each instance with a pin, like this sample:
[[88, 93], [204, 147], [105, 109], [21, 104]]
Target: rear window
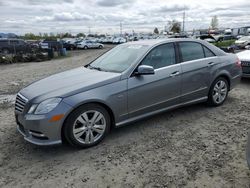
[[14, 42], [191, 51], [208, 53]]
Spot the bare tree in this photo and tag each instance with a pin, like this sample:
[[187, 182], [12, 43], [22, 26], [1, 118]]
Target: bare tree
[[156, 31], [174, 26]]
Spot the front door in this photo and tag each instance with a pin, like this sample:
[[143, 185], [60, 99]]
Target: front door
[[148, 93]]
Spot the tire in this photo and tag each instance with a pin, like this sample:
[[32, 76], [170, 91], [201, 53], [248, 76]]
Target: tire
[[85, 47], [100, 46], [218, 92], [80, 134]]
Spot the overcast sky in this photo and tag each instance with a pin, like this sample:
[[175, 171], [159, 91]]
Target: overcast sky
[[104, 16]]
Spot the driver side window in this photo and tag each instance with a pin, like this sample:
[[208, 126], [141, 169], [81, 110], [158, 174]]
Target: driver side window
[[160, 56]]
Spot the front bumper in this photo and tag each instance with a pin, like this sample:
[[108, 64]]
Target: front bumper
[[240, 45], [244, 75], [38, 129], [248, 150], [246, 71]]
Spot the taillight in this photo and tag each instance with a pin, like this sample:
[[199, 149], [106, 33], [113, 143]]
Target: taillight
[[238, 63]]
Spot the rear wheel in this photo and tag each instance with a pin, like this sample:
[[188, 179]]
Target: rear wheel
[[87, 125], [100, 46], [218, 92], [85, 47]]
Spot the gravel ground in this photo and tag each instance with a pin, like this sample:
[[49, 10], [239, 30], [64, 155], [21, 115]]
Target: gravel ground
[[195, 146]]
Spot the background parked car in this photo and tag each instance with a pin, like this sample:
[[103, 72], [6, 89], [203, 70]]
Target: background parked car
[[13, 46], [228, 37], [89, 44], [243, 41], [51, 44], [69, 45], [119, 40], [244, 56], [208, 38]]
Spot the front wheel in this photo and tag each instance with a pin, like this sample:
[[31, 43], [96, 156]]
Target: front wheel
[[87, 126], [218, 92], [100, 46]]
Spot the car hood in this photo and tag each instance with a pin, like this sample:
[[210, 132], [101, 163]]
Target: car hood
[[68, 83], [244, 55], [240, 41]]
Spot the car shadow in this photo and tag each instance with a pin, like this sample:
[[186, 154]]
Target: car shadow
[[245, 81]]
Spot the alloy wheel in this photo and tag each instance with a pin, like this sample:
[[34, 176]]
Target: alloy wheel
[[220, 92], [89, 127]]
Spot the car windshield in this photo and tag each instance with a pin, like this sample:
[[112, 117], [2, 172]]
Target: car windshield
[[119, 58]]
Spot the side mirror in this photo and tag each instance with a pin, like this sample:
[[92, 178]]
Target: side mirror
[[144, 70]]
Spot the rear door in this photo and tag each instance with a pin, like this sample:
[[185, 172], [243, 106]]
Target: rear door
[[148, 93], [90, 44], [196, 63]]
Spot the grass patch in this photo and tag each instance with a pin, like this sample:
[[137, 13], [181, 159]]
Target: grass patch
[[224, 43]]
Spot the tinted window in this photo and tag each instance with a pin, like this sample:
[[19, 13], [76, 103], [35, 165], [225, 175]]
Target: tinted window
[[14, 42], [160, 56], [191, 51], [208, 52]]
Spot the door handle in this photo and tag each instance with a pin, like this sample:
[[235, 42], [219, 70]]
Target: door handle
[[174, 74], [210, 64]]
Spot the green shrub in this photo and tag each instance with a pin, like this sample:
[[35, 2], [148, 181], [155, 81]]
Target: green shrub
[[225, 43]]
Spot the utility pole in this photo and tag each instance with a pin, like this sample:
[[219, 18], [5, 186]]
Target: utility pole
[[120, 28], [183, 23], [89, 30]]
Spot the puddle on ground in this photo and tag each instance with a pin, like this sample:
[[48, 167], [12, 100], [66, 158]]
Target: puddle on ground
[[7, 99]]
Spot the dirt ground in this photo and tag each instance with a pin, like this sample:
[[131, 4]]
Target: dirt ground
[[195, 146]]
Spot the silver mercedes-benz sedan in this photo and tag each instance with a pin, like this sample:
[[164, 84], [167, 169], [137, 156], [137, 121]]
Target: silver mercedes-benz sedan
[[130, 82]]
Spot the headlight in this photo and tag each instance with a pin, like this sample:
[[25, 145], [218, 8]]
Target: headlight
[[45, 106]]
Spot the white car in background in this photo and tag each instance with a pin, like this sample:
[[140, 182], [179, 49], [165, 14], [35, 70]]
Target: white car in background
[[243, 41], [244, 57], [89, 44], [119, 40]]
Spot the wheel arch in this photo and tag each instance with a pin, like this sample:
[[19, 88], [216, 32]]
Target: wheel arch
[[225, 76], [109, 110]]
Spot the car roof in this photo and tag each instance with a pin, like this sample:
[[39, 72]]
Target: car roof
[[9, 39], [154, 42]]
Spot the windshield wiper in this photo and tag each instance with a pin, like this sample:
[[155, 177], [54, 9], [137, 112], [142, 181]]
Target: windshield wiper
[[96, 68]]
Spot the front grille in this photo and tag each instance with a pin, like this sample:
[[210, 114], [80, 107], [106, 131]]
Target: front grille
[[245, 63], [20, 102], [246, 70]]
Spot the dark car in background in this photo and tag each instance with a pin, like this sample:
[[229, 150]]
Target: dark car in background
[[51, 44], [8, 46], [69, 45]]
